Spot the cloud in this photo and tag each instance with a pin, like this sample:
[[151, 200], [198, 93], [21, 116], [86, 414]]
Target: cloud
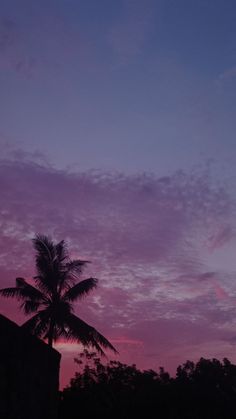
[[140, 220], [221, 237], [147, 237]]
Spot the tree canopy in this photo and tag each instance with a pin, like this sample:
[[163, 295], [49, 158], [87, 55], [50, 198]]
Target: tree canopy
[[50, 295]]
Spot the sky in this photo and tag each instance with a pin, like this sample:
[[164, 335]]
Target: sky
[[117, 134]]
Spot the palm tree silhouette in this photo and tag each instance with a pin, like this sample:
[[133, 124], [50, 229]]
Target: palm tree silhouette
[[56, 289]]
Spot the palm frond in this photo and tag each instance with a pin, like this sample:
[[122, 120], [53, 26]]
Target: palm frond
[[38, 324], [50, 263], [80, 290], [45, 255], [59, 331], [30, 291], [11, 292], [44, 247], [23, 291], [70, 273], [75, 266], [30, 306], [61, 251], [80, 331], [45, 283]]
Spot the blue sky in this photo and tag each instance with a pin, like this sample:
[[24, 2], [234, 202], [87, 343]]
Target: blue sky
[[111, 80]]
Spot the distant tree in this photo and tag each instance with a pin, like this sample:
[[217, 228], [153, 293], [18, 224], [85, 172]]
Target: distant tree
[[53, 296], [111, 390], [205, 390]]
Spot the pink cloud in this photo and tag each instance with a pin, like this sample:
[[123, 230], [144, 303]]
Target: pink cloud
[[144, 235], [221, 236]]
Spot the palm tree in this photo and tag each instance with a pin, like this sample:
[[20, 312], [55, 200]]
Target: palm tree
[[52, 298]]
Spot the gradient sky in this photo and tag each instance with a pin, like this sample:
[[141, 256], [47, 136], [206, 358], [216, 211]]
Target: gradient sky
[[117, 132]]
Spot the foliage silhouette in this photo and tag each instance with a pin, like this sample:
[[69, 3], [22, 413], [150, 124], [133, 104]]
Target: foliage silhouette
[[52, 298], [205, 390]]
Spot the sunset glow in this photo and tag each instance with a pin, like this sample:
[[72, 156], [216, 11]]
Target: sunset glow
[[117, 131]]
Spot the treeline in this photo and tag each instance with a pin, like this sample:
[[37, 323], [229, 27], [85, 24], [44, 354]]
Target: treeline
[[202, 390]]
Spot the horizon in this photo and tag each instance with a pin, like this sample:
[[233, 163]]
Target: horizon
[[117, 132]]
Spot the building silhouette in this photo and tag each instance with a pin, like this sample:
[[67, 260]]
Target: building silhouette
[[29, 375]]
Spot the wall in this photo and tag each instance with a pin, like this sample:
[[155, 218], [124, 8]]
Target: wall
[[29, 375]]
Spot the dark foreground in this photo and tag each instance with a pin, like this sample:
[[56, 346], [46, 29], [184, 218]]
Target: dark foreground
[[205, 390]]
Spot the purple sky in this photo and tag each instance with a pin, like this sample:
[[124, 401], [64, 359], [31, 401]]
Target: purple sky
[[117, 131]]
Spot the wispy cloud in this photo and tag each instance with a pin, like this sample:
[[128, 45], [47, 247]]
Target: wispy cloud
[[146, 237]]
